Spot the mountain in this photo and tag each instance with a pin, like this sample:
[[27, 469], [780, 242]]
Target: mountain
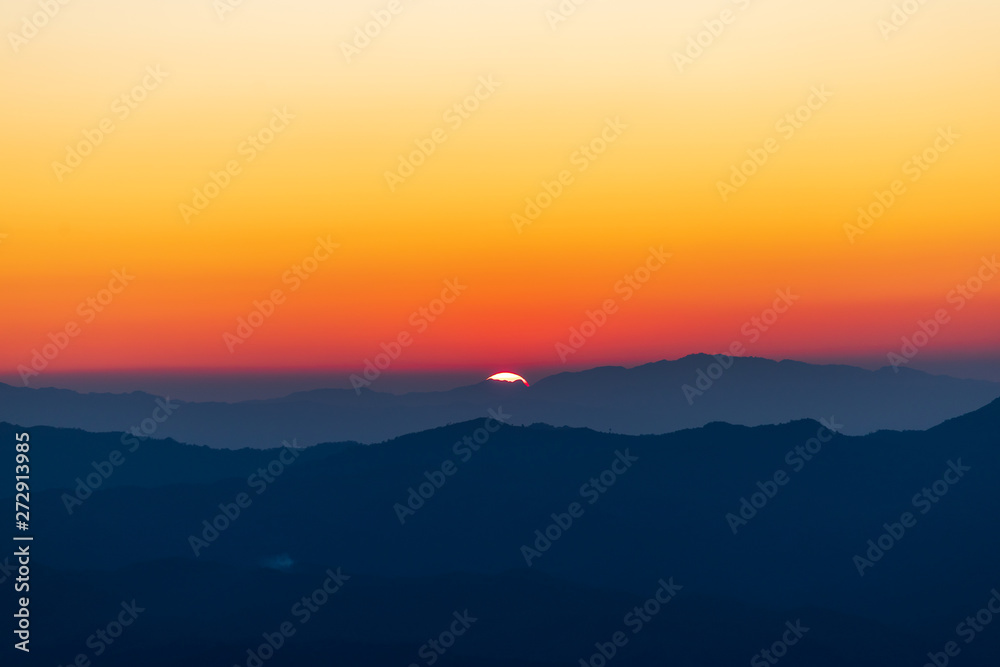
[[654, 398], [202, 613], [551, 535], [121, 459]]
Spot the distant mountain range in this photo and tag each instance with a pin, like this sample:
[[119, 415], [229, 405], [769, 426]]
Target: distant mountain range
[[654, 398], [761, 527]]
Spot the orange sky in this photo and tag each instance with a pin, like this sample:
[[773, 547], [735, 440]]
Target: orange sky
[[264, 98]]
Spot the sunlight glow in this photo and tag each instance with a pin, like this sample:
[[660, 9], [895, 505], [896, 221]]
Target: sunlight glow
[[508, 377]]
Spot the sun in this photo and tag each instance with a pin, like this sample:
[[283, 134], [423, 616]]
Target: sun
[[508, 377]]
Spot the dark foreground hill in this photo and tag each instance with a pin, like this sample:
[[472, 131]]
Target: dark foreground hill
[[881, 545], [522, 618], [654, 398]]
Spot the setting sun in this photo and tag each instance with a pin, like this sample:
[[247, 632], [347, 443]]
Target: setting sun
[[508, 377]]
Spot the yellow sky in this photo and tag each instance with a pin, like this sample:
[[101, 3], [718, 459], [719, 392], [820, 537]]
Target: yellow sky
[[223, 78]]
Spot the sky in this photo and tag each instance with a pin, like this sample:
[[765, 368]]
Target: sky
[[503, 184]]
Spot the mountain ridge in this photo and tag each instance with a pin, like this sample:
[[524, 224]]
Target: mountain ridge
[[658, 397]]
